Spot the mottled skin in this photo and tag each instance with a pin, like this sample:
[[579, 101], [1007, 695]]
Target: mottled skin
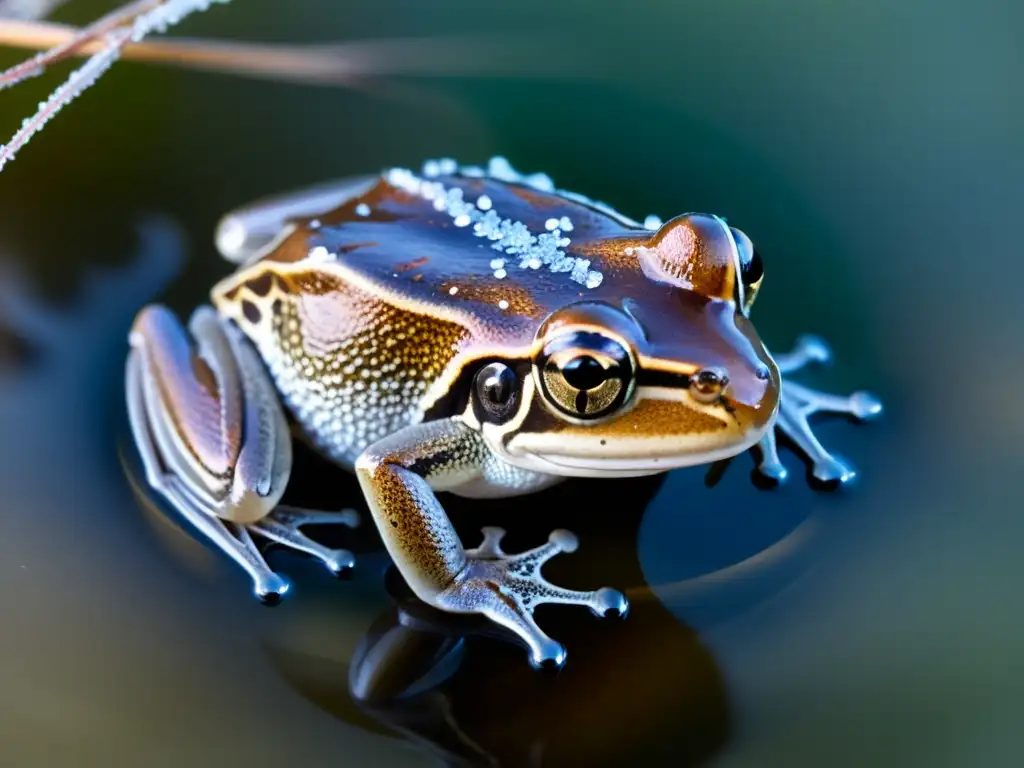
[[405, 354]]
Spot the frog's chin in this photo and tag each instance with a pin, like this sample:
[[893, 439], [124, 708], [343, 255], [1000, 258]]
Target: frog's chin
[[592, 466], [631, 466]]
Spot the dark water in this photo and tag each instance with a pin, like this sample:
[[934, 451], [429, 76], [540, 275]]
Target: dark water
[[873, 152]]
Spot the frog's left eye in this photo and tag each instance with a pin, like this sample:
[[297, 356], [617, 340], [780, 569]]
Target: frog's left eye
[[585, 375], [496, 388]]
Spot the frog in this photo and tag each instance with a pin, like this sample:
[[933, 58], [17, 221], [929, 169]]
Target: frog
[[462, 329]]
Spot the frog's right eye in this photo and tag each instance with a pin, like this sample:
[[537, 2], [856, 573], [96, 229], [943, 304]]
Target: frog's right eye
[[751, 267], [585, 375]]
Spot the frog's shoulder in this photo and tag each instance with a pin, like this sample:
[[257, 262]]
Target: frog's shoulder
[[490, 249]]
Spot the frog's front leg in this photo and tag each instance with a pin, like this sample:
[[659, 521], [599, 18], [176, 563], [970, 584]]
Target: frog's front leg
[[399, 476], [798, 403], [214, 441]]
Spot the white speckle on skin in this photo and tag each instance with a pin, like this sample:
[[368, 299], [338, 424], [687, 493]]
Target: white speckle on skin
[[362, 209], [503, 304], [652, 222], [319, 254], [512, 238], [453, 290], [314, 224]]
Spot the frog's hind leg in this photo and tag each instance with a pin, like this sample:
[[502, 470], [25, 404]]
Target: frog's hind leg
[[214, 441], [797, 404]]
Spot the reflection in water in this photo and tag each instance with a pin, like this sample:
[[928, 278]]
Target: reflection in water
[[643, 690]]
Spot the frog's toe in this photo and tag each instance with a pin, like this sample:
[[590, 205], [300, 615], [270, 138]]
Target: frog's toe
[[270, 588], [340, 561], [548, 654], [808, 350], [865, 406], [609, 603], [297, 518], [830, 471], [508, 588], [770, 468], [813, 349], [282, 527]]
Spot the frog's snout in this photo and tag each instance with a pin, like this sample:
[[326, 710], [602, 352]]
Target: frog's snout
[[752, 393]]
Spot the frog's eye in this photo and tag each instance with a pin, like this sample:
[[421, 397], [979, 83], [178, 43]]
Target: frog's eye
[[496, 389], [751, 266], [585, 375]]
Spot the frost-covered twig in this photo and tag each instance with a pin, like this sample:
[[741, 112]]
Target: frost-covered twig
[[79, 80], [38, 63], [130, 23]]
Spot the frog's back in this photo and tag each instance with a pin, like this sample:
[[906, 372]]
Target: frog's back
[[370, 316]]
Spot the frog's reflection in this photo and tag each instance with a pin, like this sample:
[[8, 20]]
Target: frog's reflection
[[644, 689]]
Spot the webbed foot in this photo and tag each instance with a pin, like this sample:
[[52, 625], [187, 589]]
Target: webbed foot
[[282, 526], [507, 588], [798, 403]]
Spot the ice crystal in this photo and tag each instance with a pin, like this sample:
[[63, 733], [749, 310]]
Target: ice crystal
[[129, 23], [512, 238]]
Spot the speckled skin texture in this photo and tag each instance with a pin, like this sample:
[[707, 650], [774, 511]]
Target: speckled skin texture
[[351, 368], [398, 476]]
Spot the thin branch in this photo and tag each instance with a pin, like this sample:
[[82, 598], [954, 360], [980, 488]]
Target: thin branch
[[333, 63], [74, 42], [120, 35], [79, 80], [131, 22]]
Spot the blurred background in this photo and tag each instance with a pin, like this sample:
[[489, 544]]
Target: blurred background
[[874, 153]]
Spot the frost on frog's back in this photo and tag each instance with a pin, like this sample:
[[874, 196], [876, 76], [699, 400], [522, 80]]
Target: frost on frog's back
[[490, 244]]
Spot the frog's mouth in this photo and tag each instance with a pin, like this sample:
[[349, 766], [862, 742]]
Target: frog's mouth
[[632, 458]]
